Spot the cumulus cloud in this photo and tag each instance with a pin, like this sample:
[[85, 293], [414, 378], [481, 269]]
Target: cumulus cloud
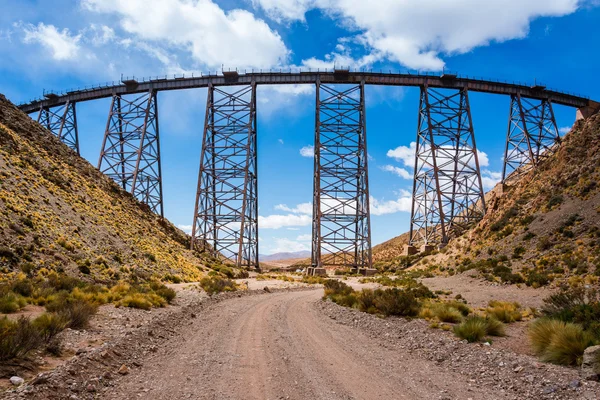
[[418, 34], [303, 208], [308, 151], [406, 155], [401, 172], [281, 221], [62, 44], [284, 245], [489, 179], [564, 130], [381, 207], [211, 36], [186, 228]]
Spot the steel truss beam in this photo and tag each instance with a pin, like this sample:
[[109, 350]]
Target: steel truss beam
[[448, 193], [62, 122], [226, 212], [341, 228], [532, 135], [131, 149]]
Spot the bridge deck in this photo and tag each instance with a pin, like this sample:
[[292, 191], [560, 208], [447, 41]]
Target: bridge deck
[[278, 78]]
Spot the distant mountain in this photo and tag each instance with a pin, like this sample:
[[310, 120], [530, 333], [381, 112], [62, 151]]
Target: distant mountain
[[284, 256]]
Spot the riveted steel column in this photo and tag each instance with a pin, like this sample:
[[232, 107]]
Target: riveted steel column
[[226, 212], [131, 150], [341, 219], [532, 135], [448, 192], [62, 122]]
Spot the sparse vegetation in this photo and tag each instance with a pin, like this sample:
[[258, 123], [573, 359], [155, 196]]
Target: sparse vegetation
[[475, 328], [214, 284]]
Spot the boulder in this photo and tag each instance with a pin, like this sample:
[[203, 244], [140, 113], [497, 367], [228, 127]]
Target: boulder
[[16, 380], [590, 368]]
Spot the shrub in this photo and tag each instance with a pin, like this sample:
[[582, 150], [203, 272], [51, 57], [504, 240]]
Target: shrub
[[136, 300], [365, 301], [49, 325], [541, 332], [161, 290], [11, 303], [446, 313], [77, 312], [214, 284], [576, 304], [17, 338], [504, 311], [493, 327], [396, 302], [335, 287], [473, 329], [567, 345]]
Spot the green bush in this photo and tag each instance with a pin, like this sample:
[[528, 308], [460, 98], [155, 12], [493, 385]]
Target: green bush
[[473, 329], [215, 284], [17, 338], [576, 304], [559, 342], [446, 313], [365, 301], [397, 302], [49, 325], [335, 287], [504, 311], [11, 303], [136, 300], [77, 312]]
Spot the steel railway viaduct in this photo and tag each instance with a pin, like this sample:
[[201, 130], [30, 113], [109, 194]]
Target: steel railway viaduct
[[448, 194]]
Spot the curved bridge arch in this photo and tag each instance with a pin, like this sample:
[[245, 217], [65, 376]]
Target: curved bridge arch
[[447, 193]]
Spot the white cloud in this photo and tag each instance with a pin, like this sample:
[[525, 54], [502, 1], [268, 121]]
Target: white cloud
[[62, 44], [564, 130], [418, 33], [283, 245], [303, 208], [381, 207], [484, 160], [186, 228], [308, 151], [210, 35], [404, 154], [407, 156], [281, 221], [304, 238], [489, 179], [102, 34], [401, 172]]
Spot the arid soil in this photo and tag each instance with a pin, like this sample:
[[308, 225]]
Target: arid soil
[[292, 345]]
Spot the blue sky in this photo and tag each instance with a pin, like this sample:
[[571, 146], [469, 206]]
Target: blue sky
[[73, 43]]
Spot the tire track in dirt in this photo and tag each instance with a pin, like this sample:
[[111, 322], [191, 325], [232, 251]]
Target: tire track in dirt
[[279, 346]]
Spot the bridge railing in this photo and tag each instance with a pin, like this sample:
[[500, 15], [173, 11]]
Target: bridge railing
[[201, 74]]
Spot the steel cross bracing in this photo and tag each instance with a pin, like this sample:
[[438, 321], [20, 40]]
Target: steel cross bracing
[[341, 221], [448, 193], [131, 149], [532, 135], [62, 122], [226, 212]]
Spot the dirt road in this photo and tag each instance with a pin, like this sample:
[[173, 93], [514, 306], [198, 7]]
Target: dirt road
[[280, 346]]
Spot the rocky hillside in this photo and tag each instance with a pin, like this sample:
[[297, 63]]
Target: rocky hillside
[[543, 226], [58, 212]]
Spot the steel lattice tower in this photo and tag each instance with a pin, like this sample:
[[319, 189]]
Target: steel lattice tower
[[341, 228], [131, 149], [62, 122], [226, 212], [448, 193], [532, 135]]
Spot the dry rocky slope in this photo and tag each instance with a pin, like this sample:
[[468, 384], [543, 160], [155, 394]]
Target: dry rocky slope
[[546, 221], [58, 212]]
